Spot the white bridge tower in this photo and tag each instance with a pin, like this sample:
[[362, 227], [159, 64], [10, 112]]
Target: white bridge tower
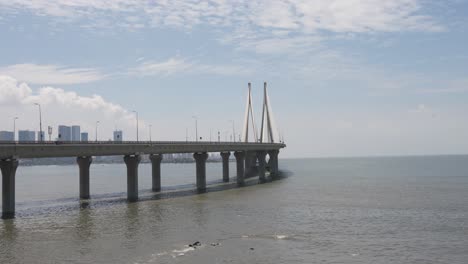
[[268, 131]]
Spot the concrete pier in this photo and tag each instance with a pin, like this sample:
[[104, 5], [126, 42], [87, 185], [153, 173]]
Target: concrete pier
[[240, 157], [261, 156], [200, 160], [84, 163], [248, 164], [132, 162], [156, 171], [225, 157], [273, 162], [8, 168]]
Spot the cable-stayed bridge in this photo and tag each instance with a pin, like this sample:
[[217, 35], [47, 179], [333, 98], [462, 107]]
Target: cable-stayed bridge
[[251, 156]]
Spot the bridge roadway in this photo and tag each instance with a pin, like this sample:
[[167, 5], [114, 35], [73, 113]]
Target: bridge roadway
[[247, 155]]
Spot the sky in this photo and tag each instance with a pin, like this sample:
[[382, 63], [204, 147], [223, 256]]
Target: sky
[[345, 77]]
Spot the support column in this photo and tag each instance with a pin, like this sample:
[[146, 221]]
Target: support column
[[132, 162], [8, 168], [248, 164], [261, 155], [273, 162], [240, 156], [225, 157], [156, 171], [84, 163], [200, 160]]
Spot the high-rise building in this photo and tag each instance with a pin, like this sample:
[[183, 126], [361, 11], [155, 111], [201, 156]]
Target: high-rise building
[[84, 136], [26, 135], [7, 136], [75, 133], [118, 135], [64, 133], [39, 135]]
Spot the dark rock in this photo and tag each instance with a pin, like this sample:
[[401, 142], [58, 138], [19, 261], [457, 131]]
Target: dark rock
[[251, 248], [215, 244], [196, 244]]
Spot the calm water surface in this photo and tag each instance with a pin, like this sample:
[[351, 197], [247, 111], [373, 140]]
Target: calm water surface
[[360, 210]]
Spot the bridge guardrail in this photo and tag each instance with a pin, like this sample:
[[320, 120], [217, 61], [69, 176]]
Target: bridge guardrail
[[128, 142]]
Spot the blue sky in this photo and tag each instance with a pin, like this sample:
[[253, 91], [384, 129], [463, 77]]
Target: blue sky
[[346, 78]]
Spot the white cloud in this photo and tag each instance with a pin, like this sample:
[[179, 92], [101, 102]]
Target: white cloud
[[264, 25], [59, 107], [51, 74], [331, 15], [179, 65], [12, 92], [168, 67]]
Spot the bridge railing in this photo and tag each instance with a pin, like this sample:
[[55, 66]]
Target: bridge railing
[[59, 142]]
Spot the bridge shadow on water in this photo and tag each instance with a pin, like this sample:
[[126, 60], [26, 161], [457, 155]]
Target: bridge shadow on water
[[68, 205]]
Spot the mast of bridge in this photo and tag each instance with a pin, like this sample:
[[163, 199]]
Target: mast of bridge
[[249, 115]]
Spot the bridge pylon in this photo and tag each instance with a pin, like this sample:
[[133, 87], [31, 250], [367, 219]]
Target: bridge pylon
[[249, 115], [268, 131]]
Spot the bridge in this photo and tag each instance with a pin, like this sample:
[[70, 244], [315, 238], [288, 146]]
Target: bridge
[[251, 157]]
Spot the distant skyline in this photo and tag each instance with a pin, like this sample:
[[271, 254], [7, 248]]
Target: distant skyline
[[345, 77]]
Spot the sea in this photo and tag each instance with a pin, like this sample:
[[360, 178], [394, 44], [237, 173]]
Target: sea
[[321, 210]]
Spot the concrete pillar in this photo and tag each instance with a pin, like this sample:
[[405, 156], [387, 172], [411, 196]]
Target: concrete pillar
[[240, 156], [84, 163], [225, 156], [8, 168], [156, 171], [132, 162], [276, 162], [248, 164], [248, 159], [261, 155], [273, 162], [200, 159]]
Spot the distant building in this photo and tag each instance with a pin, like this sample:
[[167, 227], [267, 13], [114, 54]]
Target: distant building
[[118, 135], [75, 133], [64, 133], [7, 136], [26, 135], [39, 136], [84, 136]]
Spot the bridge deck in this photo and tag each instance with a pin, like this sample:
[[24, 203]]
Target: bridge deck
[[108, 148]]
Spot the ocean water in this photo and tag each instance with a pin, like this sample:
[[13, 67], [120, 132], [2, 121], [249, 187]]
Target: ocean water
[[355, 210]]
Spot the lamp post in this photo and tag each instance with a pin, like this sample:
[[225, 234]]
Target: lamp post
[[97, 123], [196, 128], [41, 136], [233, 131], [136, 113], [14, 127]]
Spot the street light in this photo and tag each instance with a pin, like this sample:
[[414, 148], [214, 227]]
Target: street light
[[41, 136], [97, 122], [136, 122], [14, 127], [196, 127], [233, 131]]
